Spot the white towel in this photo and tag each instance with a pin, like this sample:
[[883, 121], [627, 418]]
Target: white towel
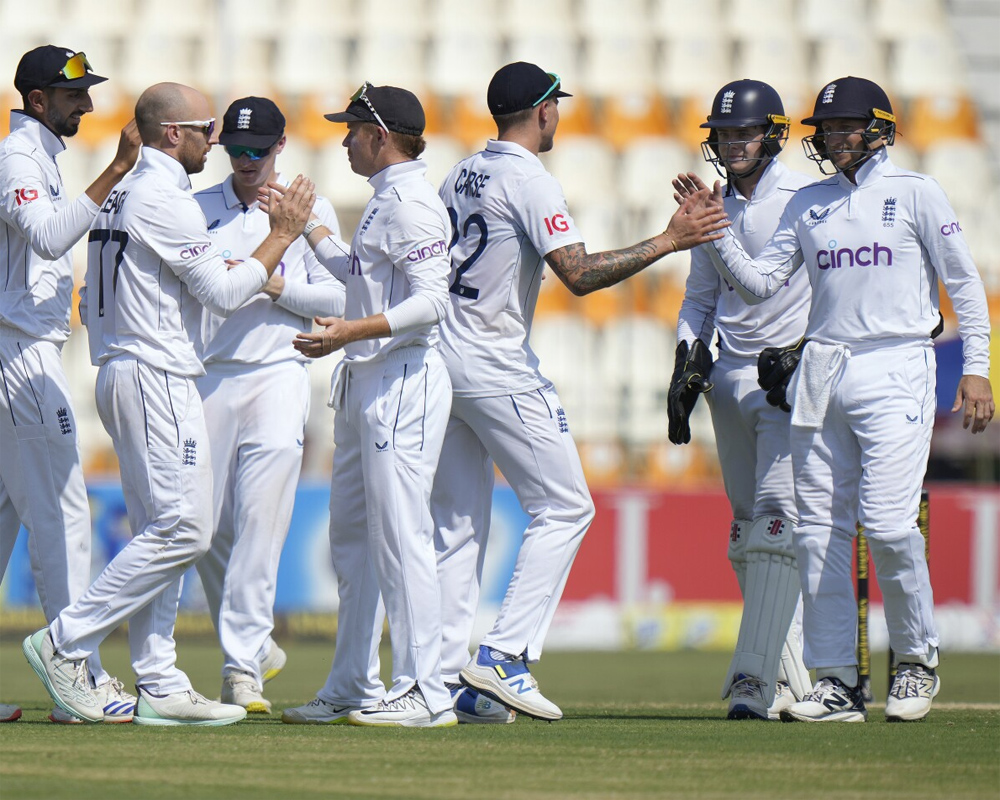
[[338, 385], [819, 365]]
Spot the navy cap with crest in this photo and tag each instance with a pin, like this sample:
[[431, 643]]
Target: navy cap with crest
[[50, 66], [519, 86], [399, 109], [252, 122], [849, 98]]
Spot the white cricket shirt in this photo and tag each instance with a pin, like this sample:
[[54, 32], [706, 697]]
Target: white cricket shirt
[[709, 301], [261, 330], [398, 262], [151, 264], [507, 214], [873, 252], [38, 227]]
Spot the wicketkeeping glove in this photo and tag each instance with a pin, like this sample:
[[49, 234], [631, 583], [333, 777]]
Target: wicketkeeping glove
[[691, 370], [775, 366]]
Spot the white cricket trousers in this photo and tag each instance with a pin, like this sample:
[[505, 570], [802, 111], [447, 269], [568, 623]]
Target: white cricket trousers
[[41, 480], [528, 437], [866, 463], [257, 416], [156, 423], [390, 422]]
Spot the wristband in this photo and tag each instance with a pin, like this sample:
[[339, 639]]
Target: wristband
[[312, 225]]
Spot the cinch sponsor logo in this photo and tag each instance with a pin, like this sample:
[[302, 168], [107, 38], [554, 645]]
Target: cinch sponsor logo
[[193, 251], [423, 253], [835, 258], [556, 223], [949, 228]]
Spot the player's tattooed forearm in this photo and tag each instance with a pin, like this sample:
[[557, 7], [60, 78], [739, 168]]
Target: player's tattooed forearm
[[588, 272]]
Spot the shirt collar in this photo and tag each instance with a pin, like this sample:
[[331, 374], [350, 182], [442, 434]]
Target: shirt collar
[[229, 193], [397, 173], [511, 149], [873, 169], [39, 134], [152, 159], [770, 180]]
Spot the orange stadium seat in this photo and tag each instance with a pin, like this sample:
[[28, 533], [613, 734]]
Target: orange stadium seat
[[623, 119], [471, 122], [930, 119]]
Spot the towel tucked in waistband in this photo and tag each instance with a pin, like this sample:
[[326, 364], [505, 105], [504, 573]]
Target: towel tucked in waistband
[[819, 366]]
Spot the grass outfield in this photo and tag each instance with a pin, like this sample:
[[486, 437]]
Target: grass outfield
[[637, 725]]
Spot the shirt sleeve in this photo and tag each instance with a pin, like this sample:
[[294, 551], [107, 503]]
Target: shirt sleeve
[[335, 255], [181, 240], [701, 297], [417, 244], [756, 279], [951, 258], [322, 296], [540, 209], [27, 206]]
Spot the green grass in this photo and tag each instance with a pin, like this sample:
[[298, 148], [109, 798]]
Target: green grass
[[637, 725]]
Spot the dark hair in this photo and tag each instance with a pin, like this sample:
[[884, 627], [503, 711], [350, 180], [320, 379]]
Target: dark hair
[[409, 145], [507, 121]]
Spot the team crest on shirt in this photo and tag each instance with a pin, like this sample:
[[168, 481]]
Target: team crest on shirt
[[190, 456], [62, 415], [889, 212]]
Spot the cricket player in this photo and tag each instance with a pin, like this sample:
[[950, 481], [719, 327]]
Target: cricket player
[[508, 219], [747, 130], [41, 480], [151, 263], [391, 394], [255, 393], [875, 240]]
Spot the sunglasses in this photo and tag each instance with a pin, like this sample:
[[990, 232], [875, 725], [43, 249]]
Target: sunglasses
[[556, 81], [362, 95], [253, 153], [206, 126], [76, 67]]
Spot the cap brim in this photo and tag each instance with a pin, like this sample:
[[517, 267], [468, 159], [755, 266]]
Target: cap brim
[[245, 139], [346, 116], [815, 119], [90, 79], [560, 93]]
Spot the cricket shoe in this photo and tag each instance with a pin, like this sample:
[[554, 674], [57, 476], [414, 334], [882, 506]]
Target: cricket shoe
[[272, 663], [66, 680], [317, 712], [9, 713], [240, 689], [407, 711], [475, 708], [746, 699], [508, 681], [912, 691], [783, 698], [829, 701], [119, 705], [184, 708]]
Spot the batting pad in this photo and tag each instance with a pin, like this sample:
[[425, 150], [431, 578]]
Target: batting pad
[[739, 533], [772, 592]]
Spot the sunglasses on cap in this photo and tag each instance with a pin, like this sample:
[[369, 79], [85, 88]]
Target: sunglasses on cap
[[556, 81], [362, 95], [206, 126], [76, 67], [253, 153]]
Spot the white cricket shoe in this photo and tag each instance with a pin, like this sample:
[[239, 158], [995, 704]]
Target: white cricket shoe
[[317, 712], [184, 708], [783, 698], [829, 701], [471, 707], [119, 705], [9, 713], [67, 681], [272, 663], [913, 689], [509, 682], [746, 699], [408, 711], [240, 689]]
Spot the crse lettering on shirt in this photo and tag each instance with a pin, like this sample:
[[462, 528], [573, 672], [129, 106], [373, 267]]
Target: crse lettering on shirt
[[470, 183], [556, 223]]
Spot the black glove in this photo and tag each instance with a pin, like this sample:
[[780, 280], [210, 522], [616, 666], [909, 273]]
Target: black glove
[[775, 366], [691, 370]]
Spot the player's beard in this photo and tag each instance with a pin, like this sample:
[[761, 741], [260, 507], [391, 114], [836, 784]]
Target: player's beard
[[63, 127]]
